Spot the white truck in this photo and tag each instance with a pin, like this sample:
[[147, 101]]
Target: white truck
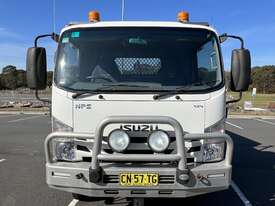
[[138, 108]]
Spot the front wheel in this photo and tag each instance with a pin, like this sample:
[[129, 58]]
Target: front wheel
[[136, 201], [84, 198]]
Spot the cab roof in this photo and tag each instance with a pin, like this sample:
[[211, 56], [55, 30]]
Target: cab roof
[[167, 24]]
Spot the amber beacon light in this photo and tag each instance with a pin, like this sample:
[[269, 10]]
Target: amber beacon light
[[183, 16], [94, 16]]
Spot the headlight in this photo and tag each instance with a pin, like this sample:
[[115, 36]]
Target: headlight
[[159, 141], [213, 150], [118, 140], [218, 127], [64, 150], [58, 126]]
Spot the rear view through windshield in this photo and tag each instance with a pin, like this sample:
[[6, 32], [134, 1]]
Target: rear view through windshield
[[140, 59]]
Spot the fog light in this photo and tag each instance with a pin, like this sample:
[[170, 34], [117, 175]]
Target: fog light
[[213, 151], [64, 150], [183, 177], [118, 140], [159, 141]]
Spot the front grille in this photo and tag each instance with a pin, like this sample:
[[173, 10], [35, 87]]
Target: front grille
[[110, 179], [163, 179], [166, 179], [82, 148]]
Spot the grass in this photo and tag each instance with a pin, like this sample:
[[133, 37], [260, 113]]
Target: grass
[[260, 100]]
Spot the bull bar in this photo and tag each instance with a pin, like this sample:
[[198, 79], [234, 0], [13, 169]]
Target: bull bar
[[95, 170]]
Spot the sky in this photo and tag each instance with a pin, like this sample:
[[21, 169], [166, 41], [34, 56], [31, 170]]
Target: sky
[[21, 21]]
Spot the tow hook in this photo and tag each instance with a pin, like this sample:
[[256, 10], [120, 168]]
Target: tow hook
[[203, 179], [79, 176]]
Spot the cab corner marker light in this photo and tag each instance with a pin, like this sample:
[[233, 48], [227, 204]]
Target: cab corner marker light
[[183, 16], [94, 16]]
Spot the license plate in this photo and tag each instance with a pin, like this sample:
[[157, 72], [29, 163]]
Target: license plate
[[139, 179]]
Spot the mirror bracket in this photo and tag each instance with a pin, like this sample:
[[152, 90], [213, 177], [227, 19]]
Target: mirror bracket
[[235, 100], [224, 37], [54, 37]]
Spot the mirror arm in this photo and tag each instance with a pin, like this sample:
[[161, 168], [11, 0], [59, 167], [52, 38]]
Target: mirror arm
[[242, 47], [234, 37], [42, 100], [39, 37], [235, 100], [55, 37]]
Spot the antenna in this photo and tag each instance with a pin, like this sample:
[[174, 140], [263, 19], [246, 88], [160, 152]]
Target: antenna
[[122, 9], [54, 15]]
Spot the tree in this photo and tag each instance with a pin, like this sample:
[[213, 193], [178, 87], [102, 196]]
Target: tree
[[21, 78], [1, 86], [263, 78], [9, 77]]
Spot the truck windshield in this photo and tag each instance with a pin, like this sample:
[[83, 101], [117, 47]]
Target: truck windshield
[[138, 59]]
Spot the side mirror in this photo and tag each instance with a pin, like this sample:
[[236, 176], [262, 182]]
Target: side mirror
[[36, 68], [240, 70]]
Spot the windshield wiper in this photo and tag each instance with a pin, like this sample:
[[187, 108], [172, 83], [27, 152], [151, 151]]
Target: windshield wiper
[[105, 86], [184, 88]]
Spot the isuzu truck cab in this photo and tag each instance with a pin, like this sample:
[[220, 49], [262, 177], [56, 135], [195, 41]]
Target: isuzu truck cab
[[138, 108]]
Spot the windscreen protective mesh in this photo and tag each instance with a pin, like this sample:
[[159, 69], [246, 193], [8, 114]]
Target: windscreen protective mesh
[[138, 66]]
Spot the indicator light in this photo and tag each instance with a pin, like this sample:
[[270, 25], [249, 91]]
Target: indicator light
[[183, 16], [94, 16]]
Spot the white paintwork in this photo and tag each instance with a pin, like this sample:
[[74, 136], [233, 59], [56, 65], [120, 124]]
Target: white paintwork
[[137, 24], [194, 111], [62, 106], [145, 97], [215, 107], [184, 112]]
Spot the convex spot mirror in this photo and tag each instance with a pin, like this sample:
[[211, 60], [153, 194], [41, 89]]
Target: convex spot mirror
[[36, 68]]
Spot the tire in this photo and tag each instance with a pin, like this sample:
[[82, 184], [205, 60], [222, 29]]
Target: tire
[[138, 202], [84, 198]]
